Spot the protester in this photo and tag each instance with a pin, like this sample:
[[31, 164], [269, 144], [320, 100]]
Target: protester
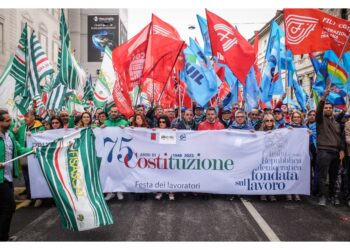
[[347, 163], [139, 121], [188, 122], [9, 149], [86, 121], [279, 118], [153, 116], [254, 120], [56, 122], [199, 116], [226, 116], [268, 124], [240, 121], [46, 125], [330, 149], [297, 119], [115, 120], [311, 124], [211, 122], [68, 121], [164, 123], [102, 117], [30, 127]]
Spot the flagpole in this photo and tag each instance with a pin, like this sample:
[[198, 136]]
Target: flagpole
[[286, 79], [18, 157], [178, 54], [138, 93]]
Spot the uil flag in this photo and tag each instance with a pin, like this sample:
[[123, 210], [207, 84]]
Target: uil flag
[[312, 30], [229, 46], [70, 168]]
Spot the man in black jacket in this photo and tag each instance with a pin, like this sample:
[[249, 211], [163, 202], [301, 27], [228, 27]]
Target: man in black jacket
[[330, 149]]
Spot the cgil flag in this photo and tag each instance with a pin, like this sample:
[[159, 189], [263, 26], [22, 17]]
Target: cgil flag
[[312, 30], [56, 98], [70, 167]]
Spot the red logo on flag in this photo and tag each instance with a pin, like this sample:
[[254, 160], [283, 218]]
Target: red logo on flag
[[153, 136]]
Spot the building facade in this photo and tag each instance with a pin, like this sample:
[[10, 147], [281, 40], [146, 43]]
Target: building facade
[[303, 64], [45, 22]]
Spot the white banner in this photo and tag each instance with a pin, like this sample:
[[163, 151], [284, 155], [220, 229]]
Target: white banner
[[223, 162]]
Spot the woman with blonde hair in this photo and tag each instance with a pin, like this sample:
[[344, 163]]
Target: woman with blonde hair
[[268, 124]]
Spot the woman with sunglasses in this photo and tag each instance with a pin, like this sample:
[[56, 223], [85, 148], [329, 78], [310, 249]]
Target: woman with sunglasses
[[268, 124], [164, 123], [297, 121], [56, 122]]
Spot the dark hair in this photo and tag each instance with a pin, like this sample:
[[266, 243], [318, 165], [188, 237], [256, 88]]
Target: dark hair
[[2, 113], [211, 109], [81, 118], [103, 113], [55, 117], [144, 121], [140, 106], [328, 103], [166, 118]]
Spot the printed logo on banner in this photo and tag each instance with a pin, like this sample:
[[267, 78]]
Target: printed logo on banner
[[227, 35], [153, 136], [182, 137], [277, 168], [299, 28]]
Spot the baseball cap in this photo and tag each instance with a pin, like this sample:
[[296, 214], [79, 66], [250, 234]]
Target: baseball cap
[[278, 110]]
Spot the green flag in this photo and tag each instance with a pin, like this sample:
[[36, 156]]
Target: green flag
[[70, 168]]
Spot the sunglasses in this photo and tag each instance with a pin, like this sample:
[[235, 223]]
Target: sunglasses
[[269, 120], [240, 116], [162, 122], [55, 123]]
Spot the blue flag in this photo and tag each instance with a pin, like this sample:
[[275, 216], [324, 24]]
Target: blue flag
[[200, 79], [271, 82], [293, 82], [203, 25], [251, 91], [277, 33]]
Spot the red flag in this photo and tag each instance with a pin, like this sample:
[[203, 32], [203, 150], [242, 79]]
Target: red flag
[[164, 46], [128, 62], [256, 50], [129, 58], [229, 46], [312, 30]]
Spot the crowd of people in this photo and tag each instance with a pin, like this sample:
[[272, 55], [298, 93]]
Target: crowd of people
[[329, 144]]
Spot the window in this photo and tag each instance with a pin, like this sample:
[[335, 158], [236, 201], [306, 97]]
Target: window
[[44, 42], [1, 37], [55, 47]]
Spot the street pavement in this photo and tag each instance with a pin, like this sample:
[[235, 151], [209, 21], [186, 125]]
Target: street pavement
[[193, 219]]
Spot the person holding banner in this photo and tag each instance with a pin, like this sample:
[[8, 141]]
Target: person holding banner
[[211, 122], [240, 121], [164, 123], [56, 122], [330, 149], [115, 120], [85, 121], [30, 127], [9, 149], [268, 124]]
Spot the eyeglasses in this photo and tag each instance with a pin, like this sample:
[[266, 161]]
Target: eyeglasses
[[255, 114], [269, 120], [240, 116], [86, 117], [162, 122], [296, 117], [55, 123], [189, 115]]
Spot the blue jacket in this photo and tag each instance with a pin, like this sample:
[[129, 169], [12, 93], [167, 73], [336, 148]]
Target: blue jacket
[[244, 126]]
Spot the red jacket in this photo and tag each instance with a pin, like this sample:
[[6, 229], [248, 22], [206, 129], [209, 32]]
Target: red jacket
[[211, 126]]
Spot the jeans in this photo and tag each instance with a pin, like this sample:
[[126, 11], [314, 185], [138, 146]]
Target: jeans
[[327, 163], [7, 208]]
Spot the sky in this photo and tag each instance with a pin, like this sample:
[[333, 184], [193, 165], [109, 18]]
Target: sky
[[246, 20]]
